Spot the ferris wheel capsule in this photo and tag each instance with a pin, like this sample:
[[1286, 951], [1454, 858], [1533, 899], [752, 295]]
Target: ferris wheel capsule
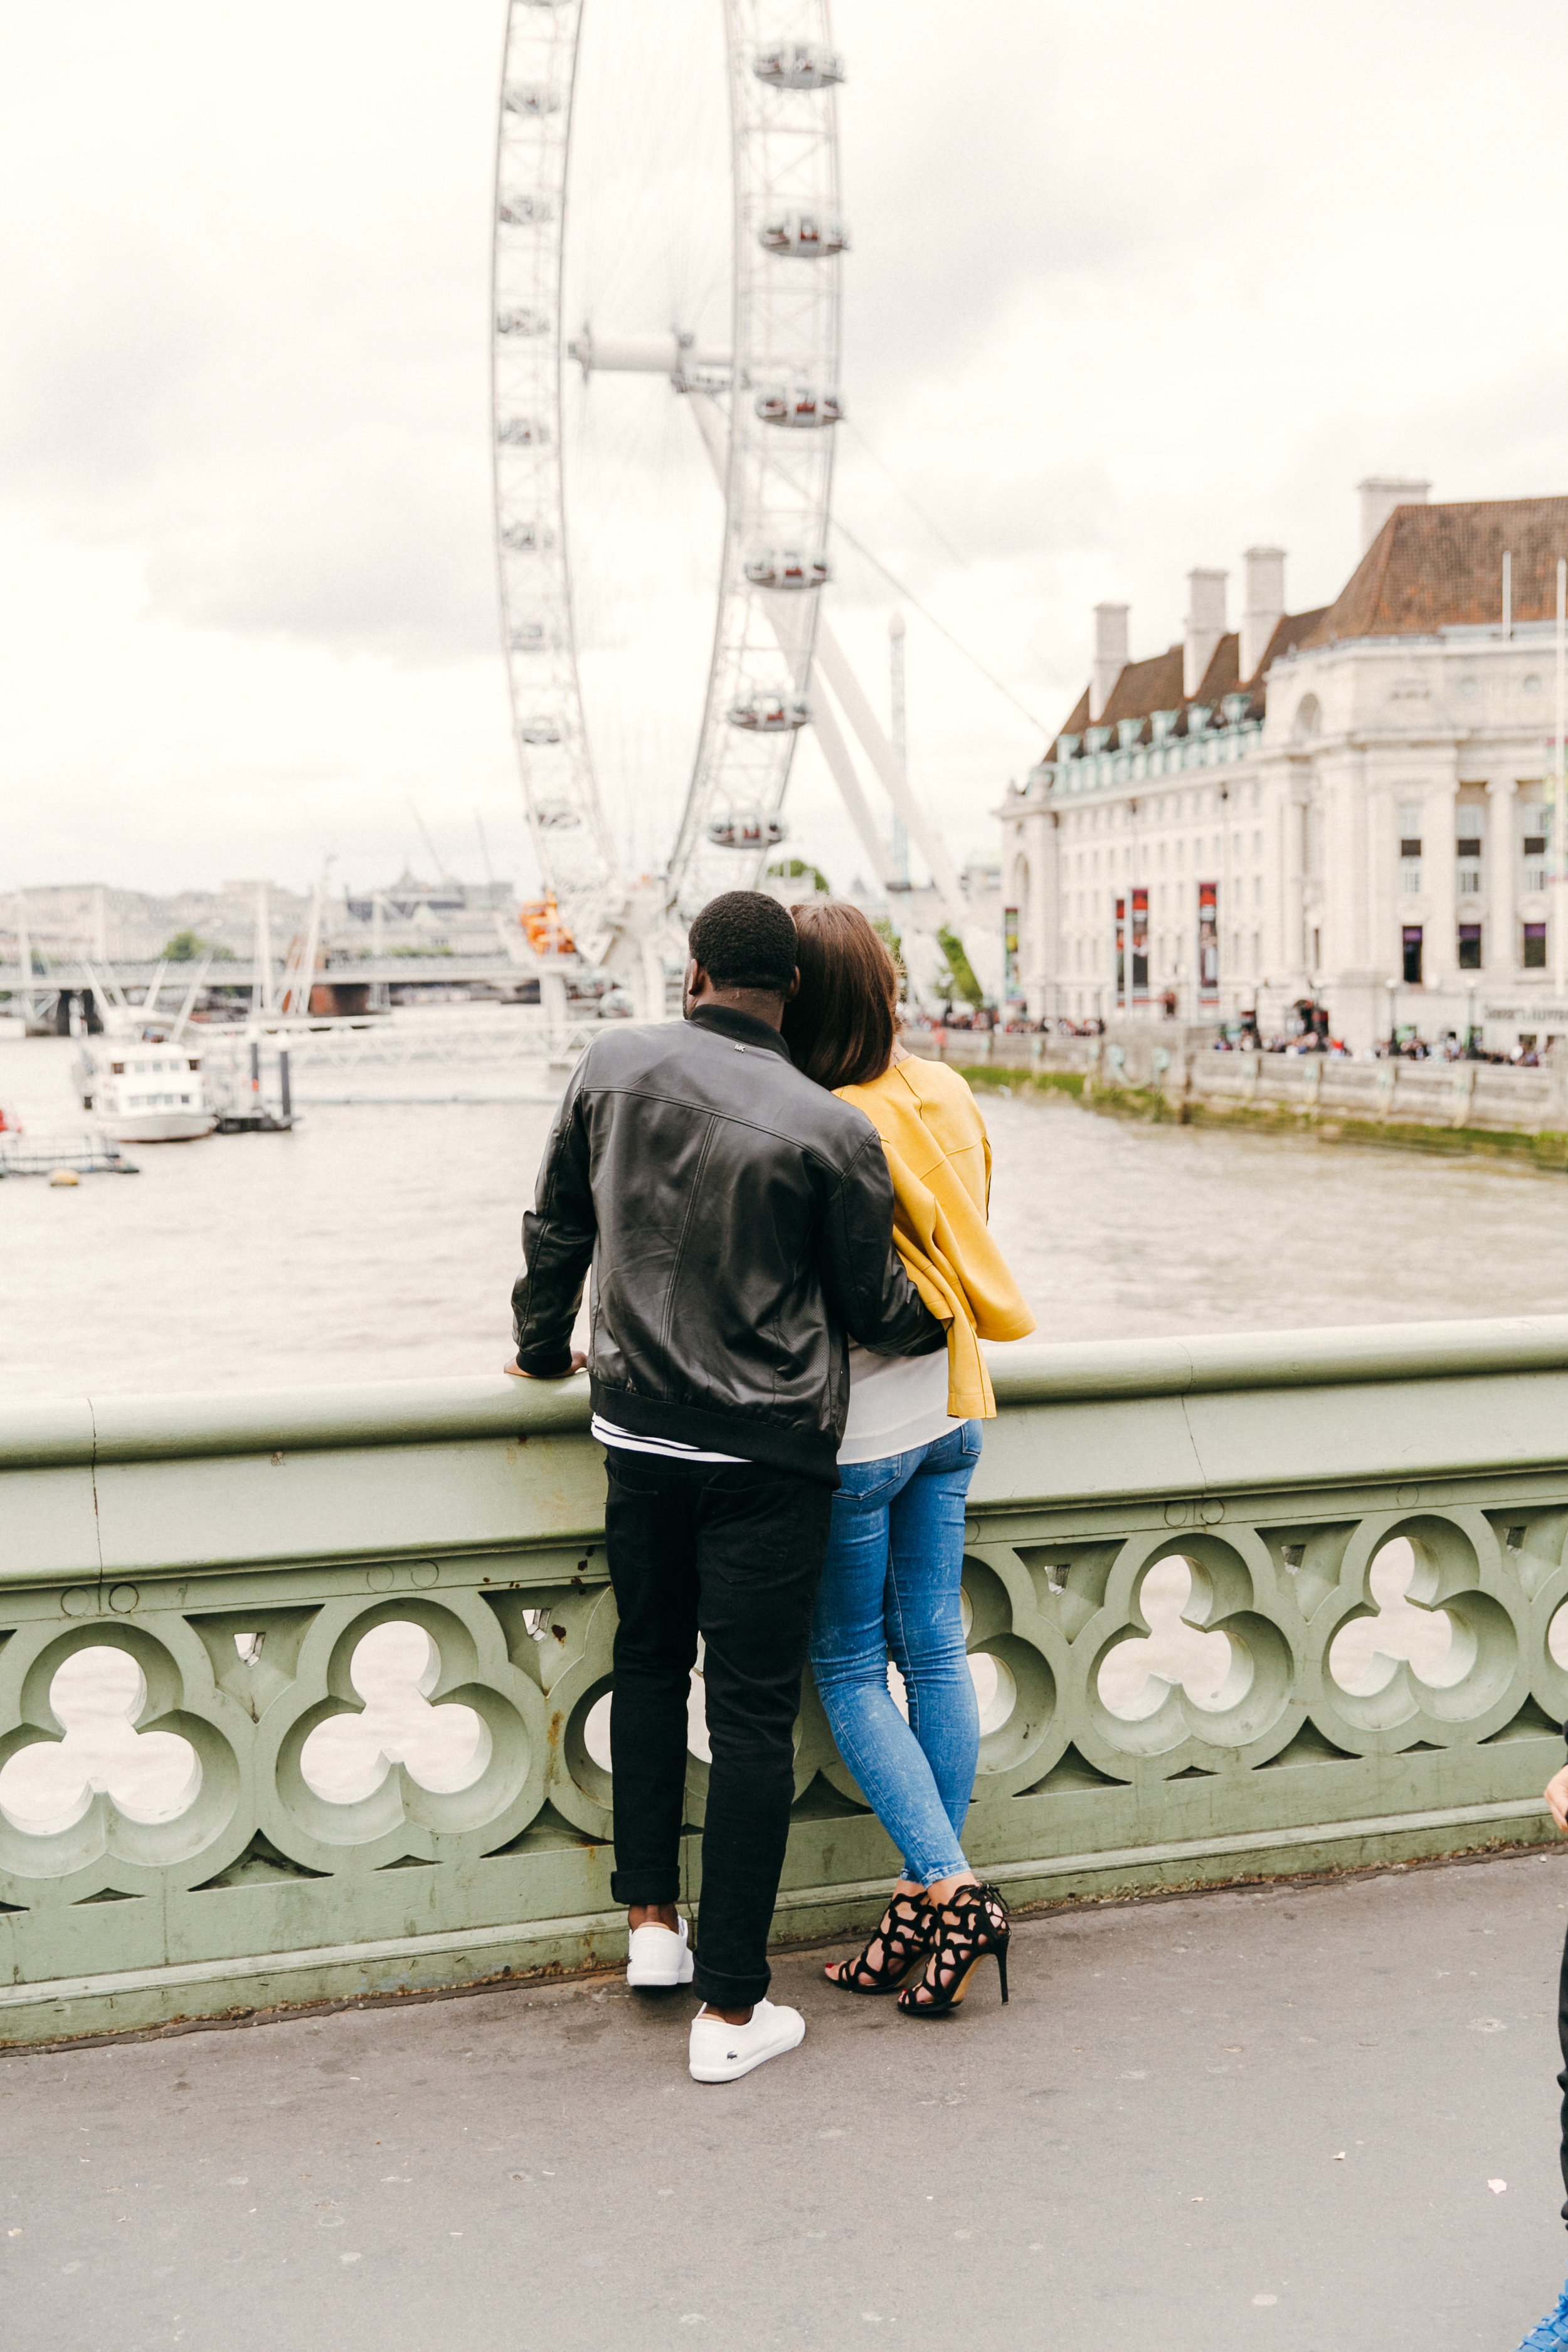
[[745, 829], [523, 432], [803, 407], [538, 731], [796, 64], [531, 98], [770, 714], [524, 212], [556, 816], [787, 567], [803, 236], [522, 322], [526, 538], [529, 636]]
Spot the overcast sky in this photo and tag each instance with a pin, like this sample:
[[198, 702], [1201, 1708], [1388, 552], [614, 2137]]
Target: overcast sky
[[1132, 288]]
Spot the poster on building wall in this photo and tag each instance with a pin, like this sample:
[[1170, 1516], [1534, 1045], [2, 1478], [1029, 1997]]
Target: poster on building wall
[[1208, 943], [1139, 947], [1012, 989], [1121, 954]]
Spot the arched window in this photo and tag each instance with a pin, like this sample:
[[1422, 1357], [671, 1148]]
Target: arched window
[[1308, 720]]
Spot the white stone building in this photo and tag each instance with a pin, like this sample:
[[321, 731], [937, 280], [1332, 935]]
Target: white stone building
[[1353, 805]]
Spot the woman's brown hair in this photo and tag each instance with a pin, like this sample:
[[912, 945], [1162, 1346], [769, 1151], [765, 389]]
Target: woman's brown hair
[[840, 1027]]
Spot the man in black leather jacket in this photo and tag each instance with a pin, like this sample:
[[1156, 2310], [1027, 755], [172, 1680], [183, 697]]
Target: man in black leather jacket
[[738, 1220]]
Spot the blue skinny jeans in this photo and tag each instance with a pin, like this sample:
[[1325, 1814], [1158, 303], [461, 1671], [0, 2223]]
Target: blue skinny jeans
[[891, 1588]]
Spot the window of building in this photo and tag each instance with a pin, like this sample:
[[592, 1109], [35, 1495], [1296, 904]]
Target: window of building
[[1535, 947], [1411, 940], [1410, 849], [1257, 953], [1534, 844], [1257, 889], [1467, 853], [1470, 947]]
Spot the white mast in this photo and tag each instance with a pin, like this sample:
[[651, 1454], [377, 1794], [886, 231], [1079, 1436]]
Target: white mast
[[901, 873], [261, 985], [1560, 818], [25, 958]]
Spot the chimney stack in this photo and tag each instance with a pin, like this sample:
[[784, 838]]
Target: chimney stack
[[1204, 625], [1380, 494], [1265, 606], [1109, 655]]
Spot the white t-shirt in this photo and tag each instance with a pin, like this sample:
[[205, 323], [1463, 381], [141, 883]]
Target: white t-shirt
[[896, 1402], [610, 1433]]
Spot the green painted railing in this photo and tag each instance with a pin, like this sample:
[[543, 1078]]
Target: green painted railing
[[1276, 1469]]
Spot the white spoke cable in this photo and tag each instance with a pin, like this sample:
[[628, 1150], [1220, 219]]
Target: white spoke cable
[[959, 646]]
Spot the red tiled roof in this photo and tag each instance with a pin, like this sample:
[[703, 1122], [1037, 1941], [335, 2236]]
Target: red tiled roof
[[1436, 567], [1428, 568], [1144, 687]]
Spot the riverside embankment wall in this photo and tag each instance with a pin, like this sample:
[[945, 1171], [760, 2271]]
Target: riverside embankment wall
[[1144, 1069]]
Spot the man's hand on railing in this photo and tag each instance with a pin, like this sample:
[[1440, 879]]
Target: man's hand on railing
[[579, 1363], [1557, 1798]]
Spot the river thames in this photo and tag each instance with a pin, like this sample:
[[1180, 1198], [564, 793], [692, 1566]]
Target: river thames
[[380, 1241]]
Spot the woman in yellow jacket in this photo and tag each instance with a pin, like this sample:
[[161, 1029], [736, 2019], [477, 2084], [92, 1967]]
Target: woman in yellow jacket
[[891, 1585]]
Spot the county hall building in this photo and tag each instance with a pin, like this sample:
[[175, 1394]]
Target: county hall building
[[1351, 804]]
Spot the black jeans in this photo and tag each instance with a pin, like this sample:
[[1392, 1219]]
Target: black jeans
[[732, 1551]]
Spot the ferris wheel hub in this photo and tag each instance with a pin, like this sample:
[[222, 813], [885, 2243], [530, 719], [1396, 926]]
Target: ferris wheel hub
[[671, 355]]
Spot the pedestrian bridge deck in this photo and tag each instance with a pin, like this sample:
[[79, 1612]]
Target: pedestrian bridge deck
[[1250, 2118]]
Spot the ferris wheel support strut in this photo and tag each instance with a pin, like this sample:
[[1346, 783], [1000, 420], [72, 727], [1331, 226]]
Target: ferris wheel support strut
[[832, 663]]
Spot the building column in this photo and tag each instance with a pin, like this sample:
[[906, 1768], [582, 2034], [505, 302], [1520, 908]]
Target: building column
[[1293, 894], [1040, 916], [1440, 945], [1500, 875]]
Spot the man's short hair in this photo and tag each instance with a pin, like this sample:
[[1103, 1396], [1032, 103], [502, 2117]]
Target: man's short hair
[[743, 939]]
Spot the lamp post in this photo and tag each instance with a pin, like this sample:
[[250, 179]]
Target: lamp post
[[1471, 1048], [1393, 988]]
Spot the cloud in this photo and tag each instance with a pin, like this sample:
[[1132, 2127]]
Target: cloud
[[1131, 289]]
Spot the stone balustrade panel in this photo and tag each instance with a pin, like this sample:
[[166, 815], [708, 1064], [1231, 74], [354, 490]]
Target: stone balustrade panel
[[1233, 1608]]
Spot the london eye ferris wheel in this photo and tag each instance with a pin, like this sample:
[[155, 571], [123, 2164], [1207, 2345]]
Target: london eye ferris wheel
[[666, 352]]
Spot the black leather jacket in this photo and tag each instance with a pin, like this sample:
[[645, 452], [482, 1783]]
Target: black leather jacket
[[738, 1220]]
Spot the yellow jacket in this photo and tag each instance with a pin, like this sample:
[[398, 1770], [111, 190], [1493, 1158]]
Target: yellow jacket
[[939, 1156]]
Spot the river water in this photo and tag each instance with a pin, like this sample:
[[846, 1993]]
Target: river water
[[380, 1240]]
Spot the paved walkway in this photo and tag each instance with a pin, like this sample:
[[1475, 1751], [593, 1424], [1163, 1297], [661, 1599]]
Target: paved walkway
[[1263, 2119]]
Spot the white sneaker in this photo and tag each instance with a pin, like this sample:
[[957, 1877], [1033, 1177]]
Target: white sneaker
[[657, 1956], [720, 2052]]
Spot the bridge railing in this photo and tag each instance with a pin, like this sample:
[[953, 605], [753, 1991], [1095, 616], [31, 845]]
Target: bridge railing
[[1195, 1660]]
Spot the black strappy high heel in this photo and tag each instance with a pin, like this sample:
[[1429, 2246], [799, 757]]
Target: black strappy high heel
[[970, 1923], [908, 1925]]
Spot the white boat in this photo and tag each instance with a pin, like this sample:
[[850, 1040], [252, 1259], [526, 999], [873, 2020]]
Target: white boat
[[144, 1089], [142, 1076]]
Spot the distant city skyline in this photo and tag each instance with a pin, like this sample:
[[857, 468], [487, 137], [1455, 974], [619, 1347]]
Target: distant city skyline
[[1128, 293]]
